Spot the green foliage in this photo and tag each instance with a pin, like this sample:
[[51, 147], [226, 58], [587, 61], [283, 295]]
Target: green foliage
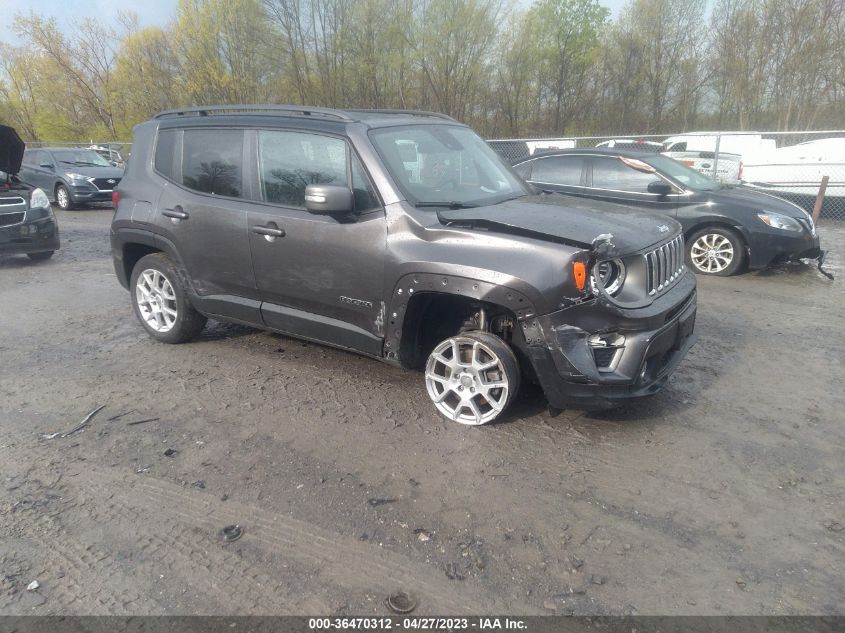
[[556, 67]]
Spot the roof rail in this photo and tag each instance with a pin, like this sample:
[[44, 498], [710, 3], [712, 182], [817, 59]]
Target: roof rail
[[291, 110], [406, 112]]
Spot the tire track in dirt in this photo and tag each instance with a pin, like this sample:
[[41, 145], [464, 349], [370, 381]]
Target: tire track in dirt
[[211, 571], [353, 566]]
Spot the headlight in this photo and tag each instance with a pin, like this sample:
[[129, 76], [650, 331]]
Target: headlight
[[611, 275], [78, 177], [782, 222], [39, 200]]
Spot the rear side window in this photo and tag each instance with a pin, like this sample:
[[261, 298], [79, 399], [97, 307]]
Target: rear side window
[[165, 153], [614, 174], [211, 161], [558, 170], [290, 161]]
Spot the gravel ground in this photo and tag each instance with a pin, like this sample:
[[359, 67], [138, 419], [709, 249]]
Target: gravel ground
[[721, 495]]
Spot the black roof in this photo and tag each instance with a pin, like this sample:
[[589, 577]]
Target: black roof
[[601, 151], [241, 113]]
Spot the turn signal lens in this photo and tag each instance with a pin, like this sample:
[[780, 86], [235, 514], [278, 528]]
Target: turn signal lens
[[115, 198], [579, 272]]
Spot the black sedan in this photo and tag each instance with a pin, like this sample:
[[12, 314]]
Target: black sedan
[[726, 228]]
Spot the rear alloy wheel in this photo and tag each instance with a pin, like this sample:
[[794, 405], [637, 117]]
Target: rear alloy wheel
[[63, 198], [715, 251], [161, 303], [472, 377]]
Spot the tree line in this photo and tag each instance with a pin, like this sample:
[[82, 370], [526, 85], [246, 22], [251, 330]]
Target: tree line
[[553, 68]]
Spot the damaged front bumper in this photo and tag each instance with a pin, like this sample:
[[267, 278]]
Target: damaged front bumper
[[597, 355]]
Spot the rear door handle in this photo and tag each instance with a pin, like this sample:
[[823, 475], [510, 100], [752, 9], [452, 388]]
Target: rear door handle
[[177, 213], [270, 231]]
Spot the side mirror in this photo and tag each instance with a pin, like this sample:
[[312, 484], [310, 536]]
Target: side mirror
[[660, 188], [328, 200], [46, 165]]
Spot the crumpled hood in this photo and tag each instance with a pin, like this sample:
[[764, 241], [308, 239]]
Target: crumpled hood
[[755, 201], [569, 220], [11, 150]]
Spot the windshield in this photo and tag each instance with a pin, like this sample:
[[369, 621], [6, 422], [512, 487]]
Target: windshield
[[681, 173], [83, 157], [445, 165]]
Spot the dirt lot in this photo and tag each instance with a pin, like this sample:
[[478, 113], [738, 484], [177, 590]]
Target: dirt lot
[[723, 494]]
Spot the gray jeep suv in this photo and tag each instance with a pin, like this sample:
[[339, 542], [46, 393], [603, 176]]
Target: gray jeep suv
[[402, 236]]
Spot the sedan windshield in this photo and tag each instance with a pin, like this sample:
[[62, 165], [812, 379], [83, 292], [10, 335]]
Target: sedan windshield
[[81, 157], [445, 165], [682, 174]]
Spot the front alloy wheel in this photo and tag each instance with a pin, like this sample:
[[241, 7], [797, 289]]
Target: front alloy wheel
[[715, 251], [472, 377], [63, 197]]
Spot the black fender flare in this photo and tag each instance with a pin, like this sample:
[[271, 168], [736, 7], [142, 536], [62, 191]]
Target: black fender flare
[[414, 284]]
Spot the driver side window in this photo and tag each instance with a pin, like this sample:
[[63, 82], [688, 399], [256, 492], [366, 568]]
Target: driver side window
[[290, 161]]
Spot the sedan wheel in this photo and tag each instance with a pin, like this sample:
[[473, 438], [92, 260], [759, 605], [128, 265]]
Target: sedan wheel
[[63, 197], [472, 378], [715, 251]]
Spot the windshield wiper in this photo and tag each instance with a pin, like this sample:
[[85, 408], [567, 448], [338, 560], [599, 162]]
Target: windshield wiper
[[82, 162], [448, 205]]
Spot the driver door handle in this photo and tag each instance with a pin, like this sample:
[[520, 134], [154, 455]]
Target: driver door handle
[[177, 213], [270, 231]]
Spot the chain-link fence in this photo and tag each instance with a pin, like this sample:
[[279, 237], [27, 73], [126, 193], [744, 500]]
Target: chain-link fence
[[791, 165]]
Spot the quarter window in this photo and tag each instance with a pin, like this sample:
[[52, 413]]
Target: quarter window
[[212, 161], [165, 150], [365, 195], [558, 170], [612, 173]]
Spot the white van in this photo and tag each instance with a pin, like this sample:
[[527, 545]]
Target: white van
[[698, 150]]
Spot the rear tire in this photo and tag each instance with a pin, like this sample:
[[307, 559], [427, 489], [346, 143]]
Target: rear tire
[[40, 257], [715, 251], [472, 377], [161, 303]]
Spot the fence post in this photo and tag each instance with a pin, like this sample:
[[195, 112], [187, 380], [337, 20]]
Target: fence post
[[716, 157], [817, 208]]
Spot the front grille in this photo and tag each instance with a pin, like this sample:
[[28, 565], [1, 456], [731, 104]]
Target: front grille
[[665, 265], [8, 219], [12, 201], [103, 184]]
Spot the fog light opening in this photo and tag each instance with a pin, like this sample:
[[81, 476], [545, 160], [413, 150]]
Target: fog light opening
[[612, 339], [606, 349]]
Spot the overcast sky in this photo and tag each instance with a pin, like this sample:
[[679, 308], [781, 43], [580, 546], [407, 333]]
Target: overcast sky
[[151, 12]]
